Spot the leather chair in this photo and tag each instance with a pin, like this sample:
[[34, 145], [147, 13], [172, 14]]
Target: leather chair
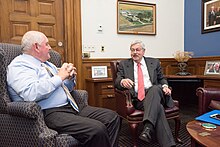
[[22, 123], [209, 99], [133, 116]]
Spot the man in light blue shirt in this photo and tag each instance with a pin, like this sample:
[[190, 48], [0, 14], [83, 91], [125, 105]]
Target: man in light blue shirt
[[45, 90], [30, 77]]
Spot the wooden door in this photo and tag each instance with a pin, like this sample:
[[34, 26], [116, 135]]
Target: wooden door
[[20, 16]]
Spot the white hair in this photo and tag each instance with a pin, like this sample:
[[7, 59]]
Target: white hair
[[30, 38], [138, 42]]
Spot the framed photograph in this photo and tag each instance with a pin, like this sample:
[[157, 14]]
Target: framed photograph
[[136, 18], [99, 72], [210, 16], [212, 68]]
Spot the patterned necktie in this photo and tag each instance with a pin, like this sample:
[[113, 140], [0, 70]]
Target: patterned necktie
[[69, 96], [141, 92]]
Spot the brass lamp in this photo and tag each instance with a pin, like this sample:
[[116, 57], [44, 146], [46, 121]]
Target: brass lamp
[[182, 57]]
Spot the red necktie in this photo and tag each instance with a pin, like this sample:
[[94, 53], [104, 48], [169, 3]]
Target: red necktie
[[141, 92]]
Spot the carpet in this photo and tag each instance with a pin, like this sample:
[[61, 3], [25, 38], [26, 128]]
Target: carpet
[[186, 114]]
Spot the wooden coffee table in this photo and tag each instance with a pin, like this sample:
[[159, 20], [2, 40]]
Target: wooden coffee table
[[201, 136]]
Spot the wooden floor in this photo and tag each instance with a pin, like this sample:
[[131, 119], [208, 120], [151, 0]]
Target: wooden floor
[[187, 113]]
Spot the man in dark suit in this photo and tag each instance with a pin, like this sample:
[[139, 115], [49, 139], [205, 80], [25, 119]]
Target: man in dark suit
[[156, 95], [212, 16]]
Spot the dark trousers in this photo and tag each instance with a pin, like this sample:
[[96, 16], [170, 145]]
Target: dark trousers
[[152, 105], [92, 126]]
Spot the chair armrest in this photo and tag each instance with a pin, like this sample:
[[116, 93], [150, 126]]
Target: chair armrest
[[205, 95], [25, 109], [32, 111], [81, 98], [124, 104], [52, 138], [47, 138], [65, 140], [176, 103]]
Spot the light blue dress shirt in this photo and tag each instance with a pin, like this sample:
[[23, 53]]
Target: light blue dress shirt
[[28, 80]]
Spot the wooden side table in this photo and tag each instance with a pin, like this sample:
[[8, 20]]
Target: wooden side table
[[201, 136], [101, 92]]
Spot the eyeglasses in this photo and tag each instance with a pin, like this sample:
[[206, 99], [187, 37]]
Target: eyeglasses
[[137, 49]]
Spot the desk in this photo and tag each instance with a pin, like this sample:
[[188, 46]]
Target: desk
[[195, 129], [206, 81], [184, 88], [192, 78]]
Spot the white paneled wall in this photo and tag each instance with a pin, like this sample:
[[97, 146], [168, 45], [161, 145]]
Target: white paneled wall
[[99, 29]]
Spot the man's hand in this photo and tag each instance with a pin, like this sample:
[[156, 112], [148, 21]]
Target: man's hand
[[72, 70], [127, 83], [67, 71], [166, 90]]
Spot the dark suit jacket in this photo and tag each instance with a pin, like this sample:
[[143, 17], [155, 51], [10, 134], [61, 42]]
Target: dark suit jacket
[[212, 18], [126, 70]]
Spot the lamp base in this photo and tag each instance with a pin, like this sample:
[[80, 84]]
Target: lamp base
[[183, 73]]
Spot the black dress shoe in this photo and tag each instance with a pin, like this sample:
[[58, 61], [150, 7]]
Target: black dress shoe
[[146, 135]]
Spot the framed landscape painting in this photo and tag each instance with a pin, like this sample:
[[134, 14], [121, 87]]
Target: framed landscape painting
[[136, 18]]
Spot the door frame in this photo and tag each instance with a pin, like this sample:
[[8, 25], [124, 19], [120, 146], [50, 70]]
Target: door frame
[[73, 38]]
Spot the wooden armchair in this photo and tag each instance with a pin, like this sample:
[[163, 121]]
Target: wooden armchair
[[133, 116], [209, 99]]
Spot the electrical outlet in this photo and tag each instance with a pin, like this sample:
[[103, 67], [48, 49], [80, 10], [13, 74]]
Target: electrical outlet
[[92, 48], [102, 48], [89, 48]]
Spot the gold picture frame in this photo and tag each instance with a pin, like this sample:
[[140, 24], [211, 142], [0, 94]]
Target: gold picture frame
[[136, 18], [212, 68]]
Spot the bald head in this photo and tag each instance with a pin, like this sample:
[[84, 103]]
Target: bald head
[[36, 44], [30, 38]]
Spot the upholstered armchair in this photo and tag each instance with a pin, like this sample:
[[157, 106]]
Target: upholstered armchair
[[209, 99], [22, 123], [133, 116]]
